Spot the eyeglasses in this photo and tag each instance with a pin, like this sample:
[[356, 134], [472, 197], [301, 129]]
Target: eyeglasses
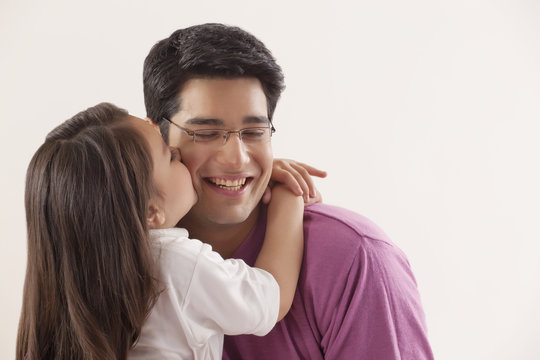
[[249, 136]]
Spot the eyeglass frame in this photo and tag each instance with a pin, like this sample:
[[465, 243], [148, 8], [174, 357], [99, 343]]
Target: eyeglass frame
[[226, 132]]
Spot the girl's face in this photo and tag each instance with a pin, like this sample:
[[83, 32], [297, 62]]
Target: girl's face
[[172, 179]]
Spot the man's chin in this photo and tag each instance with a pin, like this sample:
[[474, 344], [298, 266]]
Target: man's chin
[[226, 214], [229, 217]]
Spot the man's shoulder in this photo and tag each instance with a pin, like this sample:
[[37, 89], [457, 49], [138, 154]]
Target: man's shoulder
[[336, 238], [342, 224], [356, 284]]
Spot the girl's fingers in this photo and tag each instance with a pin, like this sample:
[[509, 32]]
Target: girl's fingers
[[297, 177]]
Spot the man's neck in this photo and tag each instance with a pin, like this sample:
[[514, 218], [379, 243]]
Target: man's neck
[[224, 238]]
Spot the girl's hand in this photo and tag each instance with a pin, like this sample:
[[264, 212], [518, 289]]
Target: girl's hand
[[297, 177]]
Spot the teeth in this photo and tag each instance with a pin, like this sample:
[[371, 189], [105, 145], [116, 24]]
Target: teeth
[[233, 185]]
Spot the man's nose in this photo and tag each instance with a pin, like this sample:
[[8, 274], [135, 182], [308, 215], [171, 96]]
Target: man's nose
[[234, 152]]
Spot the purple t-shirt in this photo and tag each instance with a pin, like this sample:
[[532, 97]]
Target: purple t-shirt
[[356, 297]]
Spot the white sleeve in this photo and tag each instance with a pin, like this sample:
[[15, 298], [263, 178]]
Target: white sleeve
[[230, 296]]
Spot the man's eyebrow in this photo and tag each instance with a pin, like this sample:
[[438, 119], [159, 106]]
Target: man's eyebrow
[[218, 122], [204, 121], [256, 120]]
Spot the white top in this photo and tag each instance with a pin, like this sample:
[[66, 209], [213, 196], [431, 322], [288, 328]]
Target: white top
[[205, 298]]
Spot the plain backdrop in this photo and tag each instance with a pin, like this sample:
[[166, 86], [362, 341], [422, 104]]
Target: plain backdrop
[[425, 113]]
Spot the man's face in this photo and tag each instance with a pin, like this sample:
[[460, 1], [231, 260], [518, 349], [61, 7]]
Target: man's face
[[229, 179]]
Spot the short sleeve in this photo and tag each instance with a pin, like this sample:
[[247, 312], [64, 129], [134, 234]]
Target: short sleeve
[[356, 297], [230, 297], [380, 301]]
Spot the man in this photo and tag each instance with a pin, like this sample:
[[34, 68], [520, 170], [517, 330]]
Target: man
[[213, 89]]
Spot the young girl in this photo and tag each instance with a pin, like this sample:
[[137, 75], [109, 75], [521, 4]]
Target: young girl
[[103, 194]]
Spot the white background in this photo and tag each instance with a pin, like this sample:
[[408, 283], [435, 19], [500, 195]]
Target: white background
[[424, 113]]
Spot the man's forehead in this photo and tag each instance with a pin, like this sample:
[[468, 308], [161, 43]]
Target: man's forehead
[[221, 101], [217, 87]]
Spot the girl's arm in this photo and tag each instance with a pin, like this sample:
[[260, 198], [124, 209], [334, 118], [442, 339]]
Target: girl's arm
[[281, 253]]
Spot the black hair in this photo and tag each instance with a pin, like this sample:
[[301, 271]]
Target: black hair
[[208, 50]]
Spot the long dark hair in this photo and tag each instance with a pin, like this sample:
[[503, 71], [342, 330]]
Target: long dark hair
[[90, 280]]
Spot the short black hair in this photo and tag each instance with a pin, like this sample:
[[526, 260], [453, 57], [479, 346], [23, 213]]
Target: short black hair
[[208, 50]]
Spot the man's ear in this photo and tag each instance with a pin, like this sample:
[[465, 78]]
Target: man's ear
[[155, 217]]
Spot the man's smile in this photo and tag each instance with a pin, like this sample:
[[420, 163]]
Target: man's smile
[[229, 184]]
